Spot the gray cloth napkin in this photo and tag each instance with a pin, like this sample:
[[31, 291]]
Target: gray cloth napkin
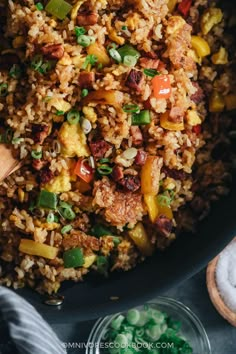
[[22, 328]]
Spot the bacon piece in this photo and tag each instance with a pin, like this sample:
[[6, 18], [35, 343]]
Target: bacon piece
[[198, 96], [173, 173], [87, 19], [53, 51], [140, 158], [130, 183], [134, 79], [39, 132], [137, 137], [86, 79], [99, 148], [38, 164], [197, 129], [164, 225], [149, 63], [117, 173]]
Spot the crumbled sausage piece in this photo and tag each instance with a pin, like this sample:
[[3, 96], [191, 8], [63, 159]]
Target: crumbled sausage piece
[[173, 173], [86, 79], [45, 175], [39, 132], [140, 158], [99, 148], [149, 63], [87, 19], [130, 183], [164, 225], [117, 173], [137, 137], [80, 239], [53, 51], [198, 96], [176, 114], [134, 79]]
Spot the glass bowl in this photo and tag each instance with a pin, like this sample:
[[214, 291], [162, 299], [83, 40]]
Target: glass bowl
[[191, 328]]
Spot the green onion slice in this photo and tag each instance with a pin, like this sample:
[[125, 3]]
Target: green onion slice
[[102, 265], [50, 217], [115, 55], [164, 200], [141, 118], [124, 28], [39, 6], [99, 230], [129, 60], [60, 113], [15, 71], [90, 59], [84, 93], [65, 205], [3, 90], [66, 229], [36, 62], [79, 31], [58, 8], [67, 213], [131, 108], [151, 72], [73, 117], [104, 160], [36, 154], [85, 40], [104, 170]]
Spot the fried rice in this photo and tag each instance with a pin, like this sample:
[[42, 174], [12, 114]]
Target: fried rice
[[120, 113]]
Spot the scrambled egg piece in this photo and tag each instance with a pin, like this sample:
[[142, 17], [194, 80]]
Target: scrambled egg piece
[[90, 114], [210, 18], [60, 104], [174, 24], [221, 57], [73, 140], [60, 183], [193, 118]]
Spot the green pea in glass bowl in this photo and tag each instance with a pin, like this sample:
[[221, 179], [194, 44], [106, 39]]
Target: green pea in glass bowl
[[162, 326]]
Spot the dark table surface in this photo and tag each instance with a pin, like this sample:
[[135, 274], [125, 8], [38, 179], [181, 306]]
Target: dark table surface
[[193, 293]]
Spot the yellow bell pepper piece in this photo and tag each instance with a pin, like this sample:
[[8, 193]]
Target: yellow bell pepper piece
[[221, 57], [210, 18], [201, 46], [152, 206], [192, 117], [166, 124], [230, 102], [171, 5], [165, 210], [141, 240], [89, 260], [100, 52], [37, 249], [150, 175], [216, 102]]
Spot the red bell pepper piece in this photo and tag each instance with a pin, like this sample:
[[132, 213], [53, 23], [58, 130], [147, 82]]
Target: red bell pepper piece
[[184, 7], [84, 171], [161, 86], [197, 129]]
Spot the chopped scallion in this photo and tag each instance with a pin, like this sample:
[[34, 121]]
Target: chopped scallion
[[39, 6], [65, 205], [99, 230], [115, 55], [15, 71], [143, 117], [79, 31], [104, 160], [104, 170], [60, 113], [67, 213], [151, 72], [50, 217], [3, 90], [131, 108], [90, 59], [84, 92], [58, 8], [36, 62], [85, 40], [129, 60], [73, 116], [36, 154], [124, 28], [66, 229]]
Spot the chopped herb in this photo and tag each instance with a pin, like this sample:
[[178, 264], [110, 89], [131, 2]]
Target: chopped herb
[[85, 40], [36, 154], [79, 31], [58, 8], [60, 113], [141, 118], [15, 71], [131, 108], [66, 229], [124, 28], [73, 117], [104, 170], [151, 72], [90, 59], [39, 6], [3, 90], [84, 93]]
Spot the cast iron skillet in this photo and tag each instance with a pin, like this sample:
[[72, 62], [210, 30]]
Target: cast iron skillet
[[185, 257]]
